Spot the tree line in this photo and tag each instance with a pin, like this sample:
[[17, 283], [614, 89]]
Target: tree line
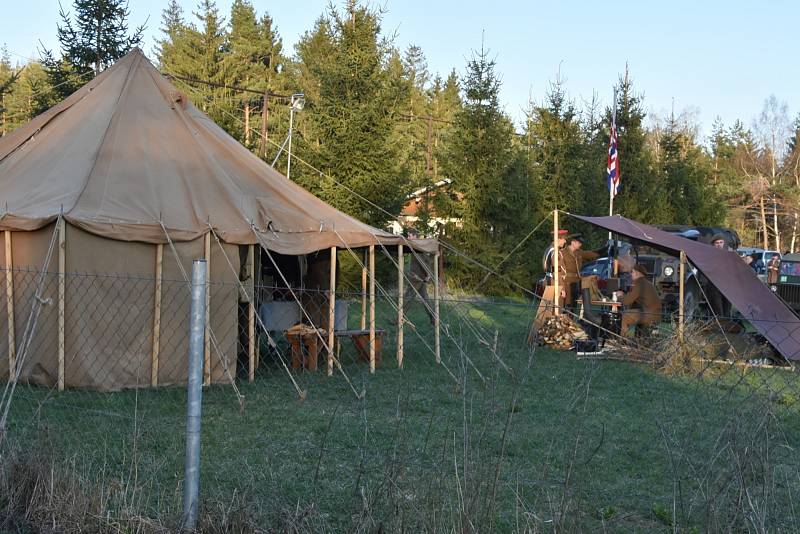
[[377, 125]]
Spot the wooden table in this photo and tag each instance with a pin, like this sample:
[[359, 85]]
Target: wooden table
[[608, 303], [361, 342]]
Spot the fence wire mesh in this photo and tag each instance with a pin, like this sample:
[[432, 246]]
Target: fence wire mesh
[[504, 433]]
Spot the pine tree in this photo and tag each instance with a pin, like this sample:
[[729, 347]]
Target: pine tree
[[100, 34], [686, 173], [641, 197], [489, 195], [8, 77], [555, 151], [173, 27], [352, 99], [96, 37]]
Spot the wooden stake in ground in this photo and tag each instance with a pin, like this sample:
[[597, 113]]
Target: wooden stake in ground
[[251, 314], [372, 308], [400, 306], [681, 295], [556, 272], [331, 311], [207, 353], [437, 348], [12, 343], [62, 267], [156, 317]]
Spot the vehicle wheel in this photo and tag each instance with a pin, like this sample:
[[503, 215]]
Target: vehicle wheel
[[691, 304]]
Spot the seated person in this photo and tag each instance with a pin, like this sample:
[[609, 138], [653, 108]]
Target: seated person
[[642, 304]]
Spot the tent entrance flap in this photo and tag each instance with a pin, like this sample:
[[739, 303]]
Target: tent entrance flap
[[728, 273]]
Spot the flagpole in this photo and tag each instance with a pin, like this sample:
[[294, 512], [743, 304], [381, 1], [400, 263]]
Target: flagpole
[[610, 185]]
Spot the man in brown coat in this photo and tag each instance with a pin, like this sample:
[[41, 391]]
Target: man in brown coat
[[573, 259], [773, 269], [642, 304]]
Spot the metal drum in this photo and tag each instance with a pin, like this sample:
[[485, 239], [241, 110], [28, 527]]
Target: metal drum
[[611, 321]]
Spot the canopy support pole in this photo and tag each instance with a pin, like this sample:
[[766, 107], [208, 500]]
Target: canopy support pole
[[207, 338], [157, 317], [556, 271], [364, 294], [437, 346], [400, 306], [251, 314], [372, 308], [62, 266], [681, 295], [332, 311], [12, 343]]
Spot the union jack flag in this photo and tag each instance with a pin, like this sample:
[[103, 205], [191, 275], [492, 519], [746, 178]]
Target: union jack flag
[[612, 169]]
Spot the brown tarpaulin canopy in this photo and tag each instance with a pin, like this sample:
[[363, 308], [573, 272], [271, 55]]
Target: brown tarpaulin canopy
[[128, 151], [726, 270]]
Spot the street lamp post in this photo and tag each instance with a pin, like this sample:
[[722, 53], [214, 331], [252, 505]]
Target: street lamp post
[[296, 103]]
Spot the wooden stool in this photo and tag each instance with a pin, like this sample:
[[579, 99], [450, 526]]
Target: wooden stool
[[306, 346]]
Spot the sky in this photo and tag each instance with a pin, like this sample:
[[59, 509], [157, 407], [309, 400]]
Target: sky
[[710, 58]]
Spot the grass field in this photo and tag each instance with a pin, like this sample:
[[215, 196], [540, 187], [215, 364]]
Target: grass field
[[538, 441]]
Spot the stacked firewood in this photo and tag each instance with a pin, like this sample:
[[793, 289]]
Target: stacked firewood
[[559, 332]]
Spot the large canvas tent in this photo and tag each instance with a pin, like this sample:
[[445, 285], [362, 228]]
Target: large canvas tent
[[124, 171]]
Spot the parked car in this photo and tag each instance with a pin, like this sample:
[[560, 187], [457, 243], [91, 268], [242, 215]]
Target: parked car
[[788, 285]]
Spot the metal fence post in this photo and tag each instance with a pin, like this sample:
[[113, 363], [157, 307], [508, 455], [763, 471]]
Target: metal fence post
[[194, 405]]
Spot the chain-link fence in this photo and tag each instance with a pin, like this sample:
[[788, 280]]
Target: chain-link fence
[[698, 431]]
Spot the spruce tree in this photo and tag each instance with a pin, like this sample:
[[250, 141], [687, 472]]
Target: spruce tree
[[489, 196], [92, 41], [641, 197], [353, 101]]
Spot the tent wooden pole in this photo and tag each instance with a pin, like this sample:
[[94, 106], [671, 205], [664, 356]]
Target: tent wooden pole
[[372, 308], [12, 343], [157, 317], [556, 272], [331, 311], [207, 353], [364, 294], [400, 306], [62, 267], [251, 315], [681, 295], [437, 347]]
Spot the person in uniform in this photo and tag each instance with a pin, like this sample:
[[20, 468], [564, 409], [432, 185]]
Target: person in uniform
[[773, 269], [720, 306], [573, 259], [548, 258], [642, 303]]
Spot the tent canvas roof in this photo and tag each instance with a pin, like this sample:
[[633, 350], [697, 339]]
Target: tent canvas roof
[[128, 152], [726, 270]]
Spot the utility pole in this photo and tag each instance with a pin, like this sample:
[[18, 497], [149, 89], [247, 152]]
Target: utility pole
[[264, 121]]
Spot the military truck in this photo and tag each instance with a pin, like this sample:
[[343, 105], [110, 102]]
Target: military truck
[[788, 285]]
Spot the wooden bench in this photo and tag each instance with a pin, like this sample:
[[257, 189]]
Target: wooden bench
[[361, 342]]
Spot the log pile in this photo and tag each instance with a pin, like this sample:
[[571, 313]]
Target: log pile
[[559, 332]]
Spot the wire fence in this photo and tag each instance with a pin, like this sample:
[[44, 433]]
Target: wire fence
[[657, 429]]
